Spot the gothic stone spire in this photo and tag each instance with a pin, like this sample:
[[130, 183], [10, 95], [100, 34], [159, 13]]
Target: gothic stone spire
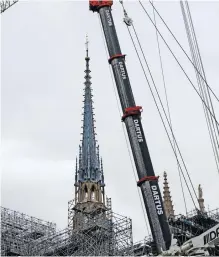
[[89, 169], [168, 205], [89, 179]]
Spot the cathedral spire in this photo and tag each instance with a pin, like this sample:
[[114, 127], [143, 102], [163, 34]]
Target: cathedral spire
[[168, 205], [89, 178], [89, 165]]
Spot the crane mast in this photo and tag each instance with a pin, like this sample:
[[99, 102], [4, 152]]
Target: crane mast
[[148, 182]]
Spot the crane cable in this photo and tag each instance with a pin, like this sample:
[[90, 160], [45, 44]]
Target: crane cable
[[168, 108], [130, 24], [129, 21], [163, 121], [130, 156], [196, 56], [182, 49], [180, 64]]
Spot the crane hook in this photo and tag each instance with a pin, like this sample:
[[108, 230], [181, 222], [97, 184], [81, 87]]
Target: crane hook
[[128, 21]]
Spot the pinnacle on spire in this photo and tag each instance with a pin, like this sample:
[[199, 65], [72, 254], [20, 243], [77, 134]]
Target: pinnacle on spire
[[201, 199], [89, 164], [168, 205], [76, 169]]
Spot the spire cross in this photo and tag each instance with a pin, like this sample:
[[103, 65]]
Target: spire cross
[[87, 44]]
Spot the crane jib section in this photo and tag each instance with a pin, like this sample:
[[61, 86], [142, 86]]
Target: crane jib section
[[149, 187]]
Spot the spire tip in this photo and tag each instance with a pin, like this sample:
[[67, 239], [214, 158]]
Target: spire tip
[[87, 44]]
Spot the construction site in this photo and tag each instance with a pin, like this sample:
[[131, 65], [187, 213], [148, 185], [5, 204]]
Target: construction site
[[94, 229], [107, 234]]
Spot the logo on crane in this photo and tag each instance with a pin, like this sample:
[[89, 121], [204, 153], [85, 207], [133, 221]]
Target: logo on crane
[[122, 69], [138, 131], [157, 200], [108, 17], [211, 236]]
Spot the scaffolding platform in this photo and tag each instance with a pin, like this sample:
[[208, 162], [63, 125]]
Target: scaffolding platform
[[193, 224], [108, 235], [21, 234], [183, 228]]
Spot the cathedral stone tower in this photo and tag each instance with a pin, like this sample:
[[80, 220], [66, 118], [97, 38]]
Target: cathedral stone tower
[[168, 205], [89, 178]]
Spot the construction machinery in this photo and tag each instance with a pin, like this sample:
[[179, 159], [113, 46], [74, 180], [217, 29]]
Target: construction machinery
[[148, 182], [179, 236]]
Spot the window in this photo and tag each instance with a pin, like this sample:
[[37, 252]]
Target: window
[[93, 197], [86, 193]]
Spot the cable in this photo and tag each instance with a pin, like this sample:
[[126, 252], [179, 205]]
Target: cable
[[183, 50], [199, 59], [199, 55], [162, 106], [129, 22], [168, 108], [161, 117], [133, 169], [180, 65], [196, 56]]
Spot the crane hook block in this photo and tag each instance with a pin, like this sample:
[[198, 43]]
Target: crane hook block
[[95, 5], [135, 110]]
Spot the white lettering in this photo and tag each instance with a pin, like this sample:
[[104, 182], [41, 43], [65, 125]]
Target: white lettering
[[108, 17], [160, 212], [122, 70], [156, 197], [138, 131], [157, 200]]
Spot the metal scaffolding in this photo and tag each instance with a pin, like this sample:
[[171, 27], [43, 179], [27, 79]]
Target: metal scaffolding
[[104, 234], [144, 247], [22, 234], [183, 228], [4, 5]]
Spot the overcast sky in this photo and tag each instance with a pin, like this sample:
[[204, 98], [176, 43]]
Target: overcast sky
[[42, 86]]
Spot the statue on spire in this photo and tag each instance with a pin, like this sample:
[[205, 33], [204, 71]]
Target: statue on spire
[[200, 192], [201, 199]]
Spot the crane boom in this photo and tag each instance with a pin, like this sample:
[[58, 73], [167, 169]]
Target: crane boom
[[148, 182]]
